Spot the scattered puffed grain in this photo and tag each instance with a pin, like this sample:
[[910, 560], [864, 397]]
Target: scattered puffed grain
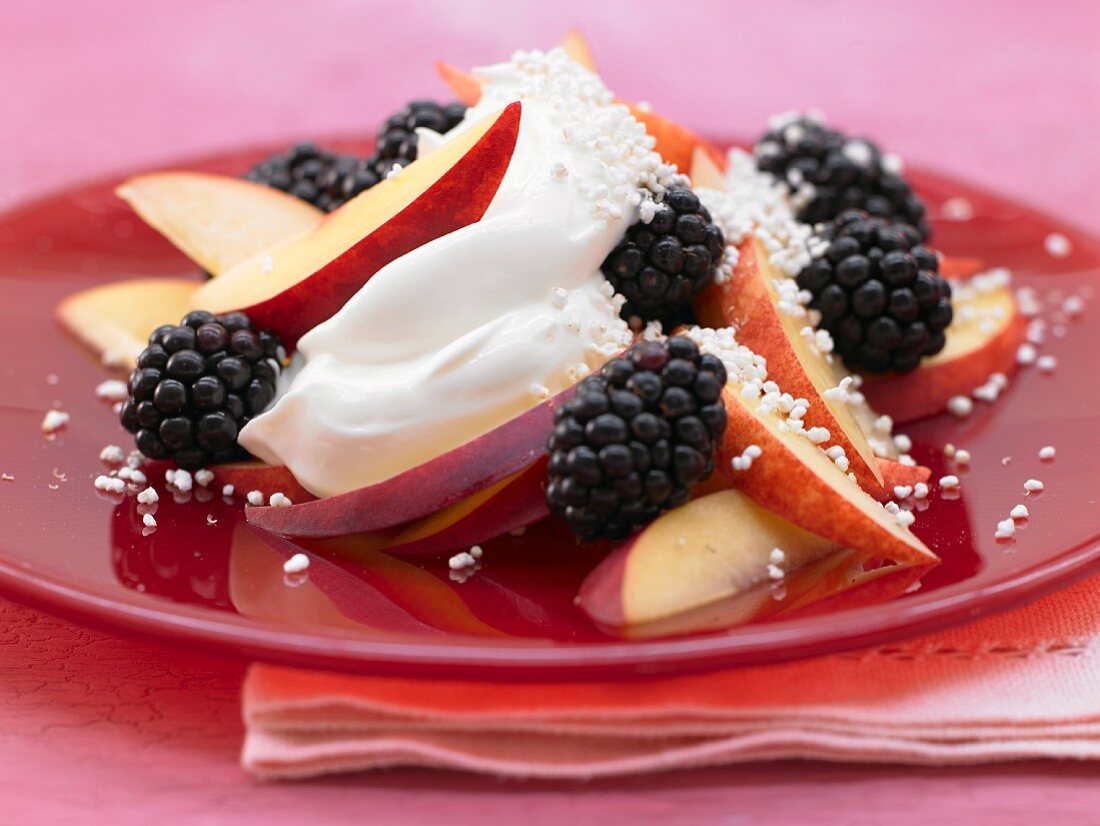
[[297, 564]]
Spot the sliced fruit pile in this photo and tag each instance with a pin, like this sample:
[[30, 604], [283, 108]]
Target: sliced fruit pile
[[805, 303]]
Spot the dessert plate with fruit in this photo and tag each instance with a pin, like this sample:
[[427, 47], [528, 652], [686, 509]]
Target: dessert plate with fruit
[[542, 382]]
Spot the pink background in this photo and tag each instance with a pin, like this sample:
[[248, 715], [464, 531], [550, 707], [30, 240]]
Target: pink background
[[1006, 94]]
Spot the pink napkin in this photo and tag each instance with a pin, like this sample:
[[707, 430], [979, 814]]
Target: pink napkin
[[1019, 685]]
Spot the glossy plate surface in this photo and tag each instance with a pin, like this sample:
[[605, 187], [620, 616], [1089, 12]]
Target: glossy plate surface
[[204, 579]]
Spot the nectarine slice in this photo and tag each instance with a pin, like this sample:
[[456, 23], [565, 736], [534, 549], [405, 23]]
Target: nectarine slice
[[464, 85], [706, 170], [424, 489], [794, 479], [380, 595], [709, 550], [294, 286], [895, 474], [579, 50], [750, 303], [116, 319], [215, 220], [515, 502], [983, 339]]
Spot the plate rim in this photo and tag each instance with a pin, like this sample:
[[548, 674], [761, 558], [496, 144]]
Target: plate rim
[[195, 628]]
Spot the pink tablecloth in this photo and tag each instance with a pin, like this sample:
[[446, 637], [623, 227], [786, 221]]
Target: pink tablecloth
[[1007, 94]]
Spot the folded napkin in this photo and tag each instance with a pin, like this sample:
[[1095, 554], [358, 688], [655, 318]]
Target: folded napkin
[[1019, 685]]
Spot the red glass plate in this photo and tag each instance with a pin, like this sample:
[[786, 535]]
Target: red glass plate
[[204, 579]]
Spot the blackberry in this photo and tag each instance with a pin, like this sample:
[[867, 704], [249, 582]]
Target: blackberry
[[662, 265], [197, 384], [845, 172], [397, 138], [635, 438], [322, 178], [328, 180], [879, 293]]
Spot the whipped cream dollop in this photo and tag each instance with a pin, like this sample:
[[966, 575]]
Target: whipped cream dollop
[[472, 329]]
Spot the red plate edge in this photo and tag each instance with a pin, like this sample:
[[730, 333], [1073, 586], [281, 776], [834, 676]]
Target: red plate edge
[[233, 635]]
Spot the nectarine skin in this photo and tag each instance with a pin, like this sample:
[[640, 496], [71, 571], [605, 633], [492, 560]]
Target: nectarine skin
[[925, 392], [425, 489], [797, 481], [746, 303], [245, 477], [455, 200], [520, 503], [215, 220], [895, 474]]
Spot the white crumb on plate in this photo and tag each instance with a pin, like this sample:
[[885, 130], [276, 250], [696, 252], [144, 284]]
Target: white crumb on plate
[[149, 521], [112, 455], [110, 484], [228, 490], [1019, 512], [54, 420], [1006, 529], [255, 497], [1057, 245], [960, 405], [112, 390], [204, 477], [148, 496], [1047, 453], [957, 209], [297, 564], [1033, 486], [949, 482], [279, 500], [463, 559]]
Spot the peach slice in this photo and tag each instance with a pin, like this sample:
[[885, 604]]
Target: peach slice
[[704, 566], [750, 303], [707, 170], [424, 489], [579, 50], [711, 549], [515, 502], [294, 286], [215, 220], [675, 143], [378, 595], [983, 340], [464, 85], [895, 474], [794, 479], [116, 319]]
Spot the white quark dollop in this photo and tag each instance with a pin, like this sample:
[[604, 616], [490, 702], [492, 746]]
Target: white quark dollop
[[468, 331]]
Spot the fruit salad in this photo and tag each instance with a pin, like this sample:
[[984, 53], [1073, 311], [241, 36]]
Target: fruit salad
[[543, 305]]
